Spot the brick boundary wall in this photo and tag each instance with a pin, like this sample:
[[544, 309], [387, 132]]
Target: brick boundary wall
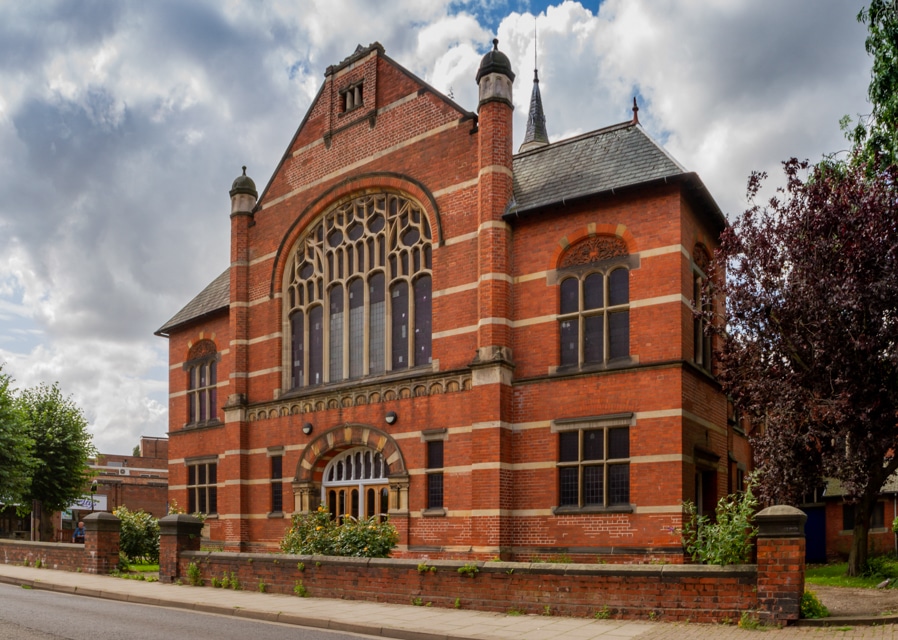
[[98, 554], [674, 592], [697, 593], [52, 555]]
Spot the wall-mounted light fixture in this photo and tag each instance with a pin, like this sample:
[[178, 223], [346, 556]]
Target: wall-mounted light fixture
[[391, 417], [307, 428]]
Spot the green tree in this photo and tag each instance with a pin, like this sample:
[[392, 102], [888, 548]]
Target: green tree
[[15, 447], [810, 334], [811, 287], [876, 135], [61, 446]]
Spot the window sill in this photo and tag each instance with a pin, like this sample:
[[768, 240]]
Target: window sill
[[439, 512], [353, 383], [276, 514], [203, 425], [590, 367], [350, 111], [573, 510]]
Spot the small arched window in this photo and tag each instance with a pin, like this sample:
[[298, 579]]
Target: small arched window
[[358, 292], [202, 382]]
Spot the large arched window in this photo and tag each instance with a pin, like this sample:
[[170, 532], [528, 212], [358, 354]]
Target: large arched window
[[358, 292]]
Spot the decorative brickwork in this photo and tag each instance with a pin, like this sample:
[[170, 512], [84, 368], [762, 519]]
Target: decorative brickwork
[[594, 249]]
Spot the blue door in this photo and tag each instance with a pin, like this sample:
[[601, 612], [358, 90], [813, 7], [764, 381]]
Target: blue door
[[815, 535]]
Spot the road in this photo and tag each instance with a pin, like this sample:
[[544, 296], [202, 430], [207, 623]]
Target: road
[[30, 614]]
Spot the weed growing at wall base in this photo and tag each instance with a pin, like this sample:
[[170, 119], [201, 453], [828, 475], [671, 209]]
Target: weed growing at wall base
[[811, 607]]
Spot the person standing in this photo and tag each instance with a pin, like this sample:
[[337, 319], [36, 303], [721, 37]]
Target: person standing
[[78, 533]]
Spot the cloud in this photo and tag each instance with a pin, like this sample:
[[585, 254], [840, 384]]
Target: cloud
[[123, 125]]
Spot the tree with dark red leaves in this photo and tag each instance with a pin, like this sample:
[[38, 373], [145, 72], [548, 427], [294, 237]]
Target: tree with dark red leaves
[[809, 342]]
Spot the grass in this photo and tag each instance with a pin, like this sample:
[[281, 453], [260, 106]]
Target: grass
[[833, 575], [143, 568]]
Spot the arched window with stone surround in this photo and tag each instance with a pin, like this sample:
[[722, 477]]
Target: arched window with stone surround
[[594, 303], [202, 381], [701, 268], [358, 292], [355, 484]]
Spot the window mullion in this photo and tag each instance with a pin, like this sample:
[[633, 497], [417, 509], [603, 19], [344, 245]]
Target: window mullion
[[580, 479], [410, 327], [346, 346]]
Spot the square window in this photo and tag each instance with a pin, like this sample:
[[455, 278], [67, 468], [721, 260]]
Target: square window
[[202, 492], [591, 471]]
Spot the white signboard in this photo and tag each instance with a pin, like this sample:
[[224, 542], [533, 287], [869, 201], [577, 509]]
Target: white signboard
[[84, 503]]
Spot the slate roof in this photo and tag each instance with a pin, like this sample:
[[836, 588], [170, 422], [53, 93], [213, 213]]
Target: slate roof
[[604, 161], [216, 296], [834, 487]]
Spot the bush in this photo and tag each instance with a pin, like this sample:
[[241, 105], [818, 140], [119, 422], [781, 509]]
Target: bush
[[726, 541], [317, 533], [139, 535], [880, 567], [811, 607]]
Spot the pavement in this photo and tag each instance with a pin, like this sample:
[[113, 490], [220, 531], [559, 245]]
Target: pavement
[[407, 622]]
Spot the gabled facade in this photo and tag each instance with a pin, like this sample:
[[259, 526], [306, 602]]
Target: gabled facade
[[497, 350]]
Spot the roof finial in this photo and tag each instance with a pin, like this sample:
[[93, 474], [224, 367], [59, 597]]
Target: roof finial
[[535, 48], [495, 44], [635, 111], [244, 169]]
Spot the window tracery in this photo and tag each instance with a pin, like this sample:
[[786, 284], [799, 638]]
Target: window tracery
[[358, 292]]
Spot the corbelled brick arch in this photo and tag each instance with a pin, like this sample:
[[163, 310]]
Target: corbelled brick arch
[[376, 182], [316, 455]]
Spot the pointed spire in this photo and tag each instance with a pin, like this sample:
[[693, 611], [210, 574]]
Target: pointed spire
[[635, 111], [536, 135]]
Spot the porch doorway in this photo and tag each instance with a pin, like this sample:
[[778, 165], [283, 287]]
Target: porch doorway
[[355, 485]]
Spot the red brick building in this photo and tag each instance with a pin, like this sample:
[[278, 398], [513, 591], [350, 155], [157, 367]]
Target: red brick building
[[496, 349], [138, 482]]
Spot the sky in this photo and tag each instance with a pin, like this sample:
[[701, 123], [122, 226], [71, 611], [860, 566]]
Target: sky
[[123, 124]]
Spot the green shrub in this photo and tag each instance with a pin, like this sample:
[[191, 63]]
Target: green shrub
[[880, 567], [139, 540], [811, 607], [726, 541], [317, 533]]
